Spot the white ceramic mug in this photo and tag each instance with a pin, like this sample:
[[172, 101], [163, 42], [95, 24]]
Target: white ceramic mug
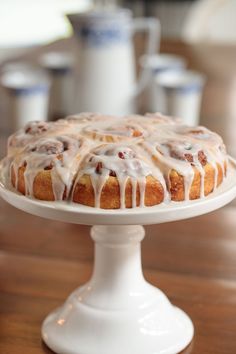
[[182, 94], [106, 62], [27, 91], [59, 66], [154, 65]]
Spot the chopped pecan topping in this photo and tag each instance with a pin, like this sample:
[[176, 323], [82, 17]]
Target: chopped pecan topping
[[98, 168], [202, 158], [48, 168], [112, 173], [126, 154], [188, 157], [136, 133], [35, 128]]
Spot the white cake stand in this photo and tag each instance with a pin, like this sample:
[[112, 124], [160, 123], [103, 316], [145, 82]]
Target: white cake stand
[[117, 311]]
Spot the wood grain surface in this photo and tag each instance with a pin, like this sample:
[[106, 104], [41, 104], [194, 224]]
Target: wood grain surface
[[192, 261]]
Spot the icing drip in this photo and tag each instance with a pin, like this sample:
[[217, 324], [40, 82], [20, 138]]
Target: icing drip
[[130, 149], [59, 155], [122, 182], [142, 187], [120, 161], [183, 148]]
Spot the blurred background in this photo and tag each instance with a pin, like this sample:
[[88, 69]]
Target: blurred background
[[59, 57]]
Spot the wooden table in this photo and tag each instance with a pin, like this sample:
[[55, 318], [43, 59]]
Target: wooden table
[[193, 261]]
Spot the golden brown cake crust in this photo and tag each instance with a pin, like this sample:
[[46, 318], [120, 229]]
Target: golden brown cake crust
[[177, 183], [42, 186], [110, 196]]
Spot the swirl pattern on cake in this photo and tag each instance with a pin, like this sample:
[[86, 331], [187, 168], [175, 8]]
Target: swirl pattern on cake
[[115, 162]]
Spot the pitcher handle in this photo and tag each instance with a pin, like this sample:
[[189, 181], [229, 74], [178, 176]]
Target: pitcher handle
[[153, 28]]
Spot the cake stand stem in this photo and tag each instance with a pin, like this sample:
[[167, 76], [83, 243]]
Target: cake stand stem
[[117, 311], [117, 268]]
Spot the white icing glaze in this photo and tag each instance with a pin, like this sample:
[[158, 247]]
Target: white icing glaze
[[128, 148]]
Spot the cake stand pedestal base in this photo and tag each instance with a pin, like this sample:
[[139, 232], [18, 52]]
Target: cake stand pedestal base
[[117, 311]]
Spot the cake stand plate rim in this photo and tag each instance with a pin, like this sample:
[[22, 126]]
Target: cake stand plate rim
[[80, 214]]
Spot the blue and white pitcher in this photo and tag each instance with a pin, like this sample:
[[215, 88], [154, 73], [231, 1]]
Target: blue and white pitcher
[[106, 61]]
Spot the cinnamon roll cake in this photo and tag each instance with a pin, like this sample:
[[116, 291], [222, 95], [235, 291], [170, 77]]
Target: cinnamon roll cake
[[115, 162]]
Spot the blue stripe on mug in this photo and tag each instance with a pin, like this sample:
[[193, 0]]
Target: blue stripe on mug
[[23, 91], [102, 36], [166, 68], [186, 89]]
